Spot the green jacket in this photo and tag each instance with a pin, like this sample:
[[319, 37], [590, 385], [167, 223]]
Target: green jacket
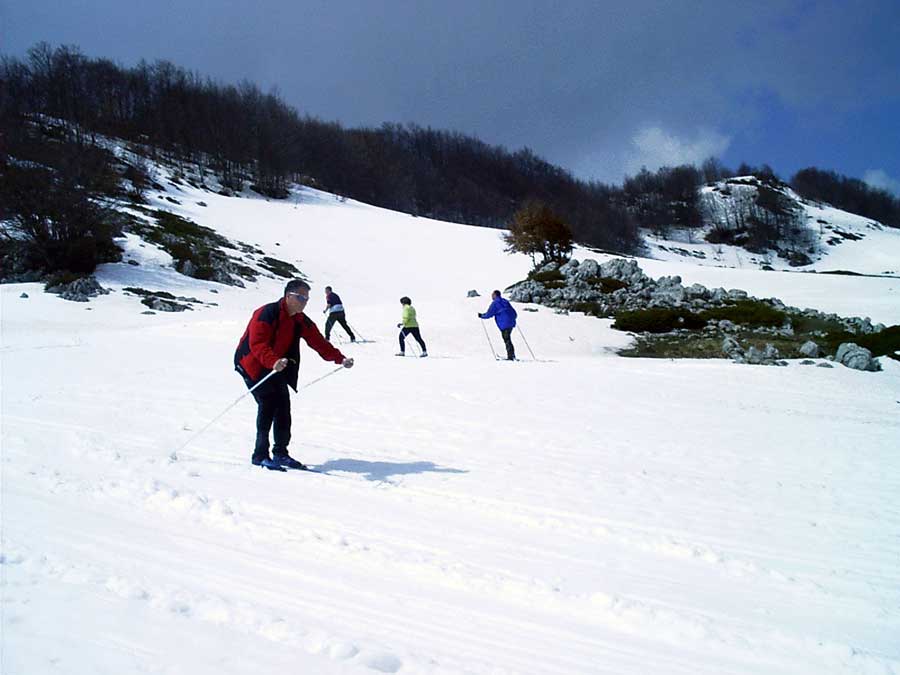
[[409, 317]]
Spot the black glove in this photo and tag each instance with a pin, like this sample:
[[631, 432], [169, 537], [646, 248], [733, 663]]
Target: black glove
[[479, 315], [399, 325]]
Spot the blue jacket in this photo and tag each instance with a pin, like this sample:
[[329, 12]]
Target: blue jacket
[[503, 312]]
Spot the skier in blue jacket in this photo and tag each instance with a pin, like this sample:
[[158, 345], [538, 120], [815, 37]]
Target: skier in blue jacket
[[505, 316]]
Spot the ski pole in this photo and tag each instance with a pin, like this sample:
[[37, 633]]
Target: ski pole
[[526, 342], [488, 339], [174, 456], [319, 379], [359, 336]]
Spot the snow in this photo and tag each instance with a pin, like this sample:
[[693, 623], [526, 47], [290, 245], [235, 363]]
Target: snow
[[582, 513]]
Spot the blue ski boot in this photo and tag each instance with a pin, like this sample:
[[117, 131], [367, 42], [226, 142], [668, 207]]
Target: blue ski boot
[[288, 462]]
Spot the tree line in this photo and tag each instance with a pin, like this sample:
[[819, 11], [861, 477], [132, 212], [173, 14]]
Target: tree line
[[247, 137], [849, 194], [56, 102]]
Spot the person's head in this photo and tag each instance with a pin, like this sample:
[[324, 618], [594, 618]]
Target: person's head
[[495, 294], [296, 295], [327, 290], [405, 301]]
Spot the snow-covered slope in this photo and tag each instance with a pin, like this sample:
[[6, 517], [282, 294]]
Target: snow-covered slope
[[583, 513], [836, 240]]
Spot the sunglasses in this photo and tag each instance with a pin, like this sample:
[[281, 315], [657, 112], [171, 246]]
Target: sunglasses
[[302, 298]]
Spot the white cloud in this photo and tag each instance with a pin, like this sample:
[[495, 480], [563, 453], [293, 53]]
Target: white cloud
[[878, 178], [653, 147]]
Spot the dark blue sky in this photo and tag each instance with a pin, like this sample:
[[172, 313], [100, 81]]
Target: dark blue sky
[[600, 88]]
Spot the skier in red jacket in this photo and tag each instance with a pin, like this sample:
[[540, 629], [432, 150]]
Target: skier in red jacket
[[271, 342]]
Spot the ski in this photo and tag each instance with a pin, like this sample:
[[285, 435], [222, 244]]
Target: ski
[[285, 469], [307, 469]]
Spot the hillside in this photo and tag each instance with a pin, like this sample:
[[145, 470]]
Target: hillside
[[583, 513], [827, 239]]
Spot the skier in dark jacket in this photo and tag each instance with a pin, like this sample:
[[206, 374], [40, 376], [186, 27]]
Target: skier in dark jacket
[[505, 316], [270, 343], [335, 309]]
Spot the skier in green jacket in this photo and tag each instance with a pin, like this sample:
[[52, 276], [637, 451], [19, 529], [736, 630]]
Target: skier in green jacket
[[409, 326]]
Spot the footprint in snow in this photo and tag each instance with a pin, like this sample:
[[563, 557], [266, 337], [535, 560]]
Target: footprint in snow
[[383, 663]]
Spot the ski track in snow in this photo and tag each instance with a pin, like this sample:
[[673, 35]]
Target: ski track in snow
[[330, 540], [583, 514]]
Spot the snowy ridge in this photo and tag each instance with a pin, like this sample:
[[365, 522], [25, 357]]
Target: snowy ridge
[[589, 514], [837, 240]]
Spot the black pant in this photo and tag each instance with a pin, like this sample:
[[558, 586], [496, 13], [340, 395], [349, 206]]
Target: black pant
[[274, 407], [415, 333], [341, 318], [507, 340]]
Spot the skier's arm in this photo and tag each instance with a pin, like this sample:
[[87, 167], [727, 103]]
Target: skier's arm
[[491, 311], [315, 340]]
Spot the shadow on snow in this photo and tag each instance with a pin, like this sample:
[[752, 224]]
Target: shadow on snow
[[383, 470]]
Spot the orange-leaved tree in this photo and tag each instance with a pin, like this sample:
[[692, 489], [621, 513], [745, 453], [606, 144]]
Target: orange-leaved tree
[[537, 230]]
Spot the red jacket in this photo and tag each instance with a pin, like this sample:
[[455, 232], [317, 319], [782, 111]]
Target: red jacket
[[273, 334]]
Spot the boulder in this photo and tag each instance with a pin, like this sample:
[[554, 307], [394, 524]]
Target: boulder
[[718, 295], [527, 291], [668, 291], [853, 356], [473, 294], [588, 269], [567, 270], [862, 326], [80, 290], [186, 267], [763, 357], [731, 348], [697, 291], [810, 349], [623, 270], [726, 325]]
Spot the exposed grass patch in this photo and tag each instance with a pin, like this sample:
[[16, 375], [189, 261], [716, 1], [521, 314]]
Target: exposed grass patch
[[590, 308], [554, 284], [702, 345], [709, 346], [188, 242], [144, 292], [280, 268], [159, 304], [547, 276], [62, 278], [606, 284], [188, 231], [814, 326], [746, 313], [657, 320], [676, 347]]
